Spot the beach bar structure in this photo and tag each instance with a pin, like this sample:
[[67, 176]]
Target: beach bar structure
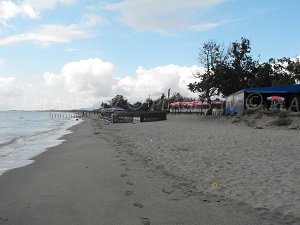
[[198, 107], [237, 102]]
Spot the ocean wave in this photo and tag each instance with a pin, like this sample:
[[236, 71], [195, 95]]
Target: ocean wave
[[11, 142], [18, 142], [23, 137], [20, 150]]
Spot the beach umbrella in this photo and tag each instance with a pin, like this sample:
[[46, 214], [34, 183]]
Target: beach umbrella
[[176, 103], [216, 102], [275, 98], [196, 102], [187, 103]]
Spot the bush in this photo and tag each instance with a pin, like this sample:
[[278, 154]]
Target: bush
[[283, 115], [273, 113], [282, 121], [259, 116], [250, 111]]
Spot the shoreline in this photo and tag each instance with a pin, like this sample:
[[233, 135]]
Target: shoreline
[[21, 150], [86, 180]]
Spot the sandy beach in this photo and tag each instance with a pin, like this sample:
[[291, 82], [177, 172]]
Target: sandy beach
[[91, 179], [255, 167]]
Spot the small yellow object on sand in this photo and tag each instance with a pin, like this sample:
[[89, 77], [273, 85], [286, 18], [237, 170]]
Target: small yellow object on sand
[[215, 185]]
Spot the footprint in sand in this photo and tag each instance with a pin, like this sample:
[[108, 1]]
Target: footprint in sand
[[129, 183], [123, 175], [127, 169], [167, 191], [145, 221], [139, 205], [128, 193], [123, 164]]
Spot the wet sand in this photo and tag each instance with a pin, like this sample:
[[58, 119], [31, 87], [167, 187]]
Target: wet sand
[[92, 180]]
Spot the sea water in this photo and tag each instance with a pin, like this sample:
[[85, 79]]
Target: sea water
[[24, 135]]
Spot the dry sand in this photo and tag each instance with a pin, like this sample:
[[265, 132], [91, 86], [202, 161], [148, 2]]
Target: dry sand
[[91, 180], [258, 168]]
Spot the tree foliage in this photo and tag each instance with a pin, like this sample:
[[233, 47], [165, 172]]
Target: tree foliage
[[119, 101], [210, 56], [236, 69]]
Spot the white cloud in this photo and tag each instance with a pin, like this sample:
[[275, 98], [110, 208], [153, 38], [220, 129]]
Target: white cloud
[[47, 4], [71, 50], [163, 16], [9, 10], [86, 82], [27, 8], [205, 26], [48, 34], [9, 87], [92, 20], [156, 81], [92, 77]]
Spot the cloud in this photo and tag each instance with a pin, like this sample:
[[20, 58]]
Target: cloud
[[92, 77], [87, 82], [205, 26], [156, 81], [9, 10], [47, 4], [71, 49], [47, 34], [9, 87], [27, 8], [92, 20], [163, 16]]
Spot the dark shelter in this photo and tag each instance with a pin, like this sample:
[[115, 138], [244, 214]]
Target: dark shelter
[[250, 98]]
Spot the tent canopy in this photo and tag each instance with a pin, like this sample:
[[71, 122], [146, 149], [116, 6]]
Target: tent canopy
[[275, 89]]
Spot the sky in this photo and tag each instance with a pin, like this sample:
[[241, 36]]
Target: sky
[[65, 54]]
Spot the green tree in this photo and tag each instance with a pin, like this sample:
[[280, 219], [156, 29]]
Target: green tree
[[241, 66], [120, 101], [176, 97], [159, 104], [236, 70], [211, 55], [294, 67], [139, 106], [104, 105], [283, 72], [263, 75]]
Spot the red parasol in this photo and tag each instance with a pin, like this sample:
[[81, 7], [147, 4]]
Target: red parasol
[[216, 102], [196, 102], [275, 98]]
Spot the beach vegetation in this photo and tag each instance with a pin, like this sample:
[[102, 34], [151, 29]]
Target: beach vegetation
[[282, 121], [227, 71], [119, 101], [105, 105], [159, 104], [250, 111]]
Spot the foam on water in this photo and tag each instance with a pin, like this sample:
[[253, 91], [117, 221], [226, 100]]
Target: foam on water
[[24, 137]]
